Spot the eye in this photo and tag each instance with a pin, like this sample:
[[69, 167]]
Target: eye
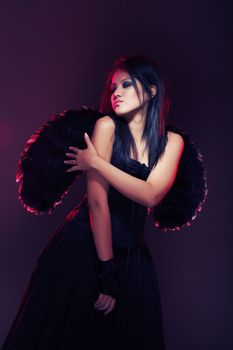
[[126, 84]]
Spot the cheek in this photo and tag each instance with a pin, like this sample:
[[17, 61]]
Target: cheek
[[134, 97]]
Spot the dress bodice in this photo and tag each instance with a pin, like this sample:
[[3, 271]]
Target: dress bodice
[[128, 217]]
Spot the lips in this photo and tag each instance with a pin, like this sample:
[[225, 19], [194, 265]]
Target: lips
[[116, 102]]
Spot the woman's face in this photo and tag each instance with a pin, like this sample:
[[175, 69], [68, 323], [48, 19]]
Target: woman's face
[[124, 98]]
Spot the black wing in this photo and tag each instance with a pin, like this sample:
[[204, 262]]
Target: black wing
[[41, 172], [185, 199]]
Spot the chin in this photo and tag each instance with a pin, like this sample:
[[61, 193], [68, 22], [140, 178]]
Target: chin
[[122, 113], [119, 113]]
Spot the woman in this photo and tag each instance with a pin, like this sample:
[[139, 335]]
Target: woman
[[94, 285]]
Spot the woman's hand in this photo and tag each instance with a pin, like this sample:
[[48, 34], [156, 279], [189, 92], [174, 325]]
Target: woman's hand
[[107, 284], [82, 159], [105, 302]]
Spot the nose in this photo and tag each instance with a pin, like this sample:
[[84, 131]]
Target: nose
[[117, 92]]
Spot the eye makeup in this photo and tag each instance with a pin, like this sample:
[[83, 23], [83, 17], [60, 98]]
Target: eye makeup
[[125, 84]]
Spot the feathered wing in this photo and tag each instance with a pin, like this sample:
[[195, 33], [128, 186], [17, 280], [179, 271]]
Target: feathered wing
[[185, 199], [44, 180], [41, 172]]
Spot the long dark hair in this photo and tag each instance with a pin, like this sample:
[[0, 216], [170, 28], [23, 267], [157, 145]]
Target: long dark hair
[[154, 134]]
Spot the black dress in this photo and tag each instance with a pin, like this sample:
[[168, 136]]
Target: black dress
[[57, 309]]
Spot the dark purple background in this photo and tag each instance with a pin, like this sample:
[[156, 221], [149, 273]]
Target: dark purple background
[[54, 56]]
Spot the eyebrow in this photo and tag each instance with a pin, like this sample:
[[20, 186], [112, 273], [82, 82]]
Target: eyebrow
[[121, 81]]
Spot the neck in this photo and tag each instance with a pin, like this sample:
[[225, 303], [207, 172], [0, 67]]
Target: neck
[[136, 124]]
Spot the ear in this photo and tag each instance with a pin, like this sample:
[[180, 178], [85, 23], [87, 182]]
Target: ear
[[153, 91]]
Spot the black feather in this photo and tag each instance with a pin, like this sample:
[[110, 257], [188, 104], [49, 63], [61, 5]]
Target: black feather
[[185, 199], [41, 172]]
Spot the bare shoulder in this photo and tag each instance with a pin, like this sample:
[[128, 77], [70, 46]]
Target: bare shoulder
[[106, 123], [104, 131], [172, 152], [175, 140]]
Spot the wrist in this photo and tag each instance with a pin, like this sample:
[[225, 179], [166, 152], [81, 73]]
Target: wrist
[[107, 277], [103, 260], [94, 161], [103, 263]]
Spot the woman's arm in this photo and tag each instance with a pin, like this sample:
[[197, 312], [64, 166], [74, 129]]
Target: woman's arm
[[97, 189], [150, 192]]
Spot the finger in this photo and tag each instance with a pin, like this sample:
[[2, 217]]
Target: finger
[[70, 162], [75, 149], [72, 155], [100, 300], [111, 307], [87, 138], [88, 141], [74, 168], [106, 304], [97, 303]]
